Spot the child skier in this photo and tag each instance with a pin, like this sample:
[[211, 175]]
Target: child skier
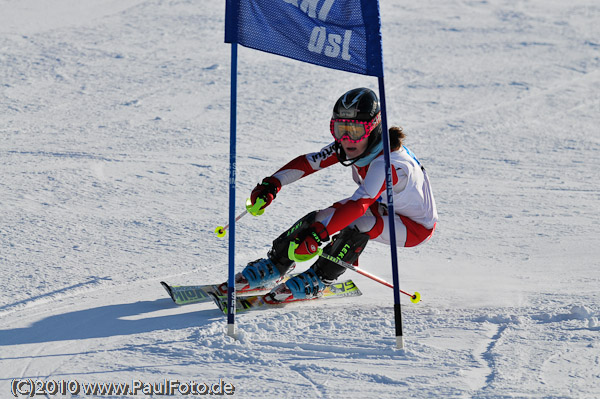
[[357, 130]]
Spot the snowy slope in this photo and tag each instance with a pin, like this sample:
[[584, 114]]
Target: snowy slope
[[114, 148]]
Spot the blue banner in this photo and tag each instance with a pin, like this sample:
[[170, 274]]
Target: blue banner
[[338, 34]]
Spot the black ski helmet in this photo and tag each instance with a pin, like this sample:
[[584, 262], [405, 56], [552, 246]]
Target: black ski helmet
[[359, 104]]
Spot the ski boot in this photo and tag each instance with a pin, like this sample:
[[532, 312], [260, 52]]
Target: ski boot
[[305, 285], [259, 273]]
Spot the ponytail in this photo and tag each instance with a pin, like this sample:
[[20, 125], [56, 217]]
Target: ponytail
[[397, 137]]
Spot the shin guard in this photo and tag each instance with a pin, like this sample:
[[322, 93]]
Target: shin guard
[[279, 252], [347, 246]]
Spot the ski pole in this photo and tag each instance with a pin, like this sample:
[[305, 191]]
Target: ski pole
[[253, 209], [221, 230], [414, 298]]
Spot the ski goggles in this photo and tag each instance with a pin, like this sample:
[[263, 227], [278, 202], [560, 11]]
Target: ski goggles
[[354, 131]]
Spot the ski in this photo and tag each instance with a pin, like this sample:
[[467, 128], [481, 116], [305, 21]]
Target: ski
[[187, 294], [245, 303]]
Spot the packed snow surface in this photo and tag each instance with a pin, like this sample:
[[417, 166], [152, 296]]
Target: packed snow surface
[[114, 167]]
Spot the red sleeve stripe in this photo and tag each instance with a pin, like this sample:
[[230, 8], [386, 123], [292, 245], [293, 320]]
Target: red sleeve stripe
[[298, 163], [328, 162]]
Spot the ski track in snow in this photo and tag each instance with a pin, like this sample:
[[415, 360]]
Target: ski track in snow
[[114, 154]]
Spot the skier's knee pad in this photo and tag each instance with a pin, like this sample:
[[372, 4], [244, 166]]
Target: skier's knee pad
[[279, 252], [347, 246]]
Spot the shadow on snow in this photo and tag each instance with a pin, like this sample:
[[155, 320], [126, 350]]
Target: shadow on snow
[[107, 321]]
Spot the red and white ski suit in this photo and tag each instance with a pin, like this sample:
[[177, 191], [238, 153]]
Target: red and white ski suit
[[414, 205]]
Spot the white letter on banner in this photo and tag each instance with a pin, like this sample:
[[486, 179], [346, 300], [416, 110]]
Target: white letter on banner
[[292, 2], [317, 39], [309, 7], [319, 36], [325, 8], [333, 49], [346, 46]]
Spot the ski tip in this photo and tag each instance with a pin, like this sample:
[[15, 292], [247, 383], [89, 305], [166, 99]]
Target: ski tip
[[167, 288], [219, 302]]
